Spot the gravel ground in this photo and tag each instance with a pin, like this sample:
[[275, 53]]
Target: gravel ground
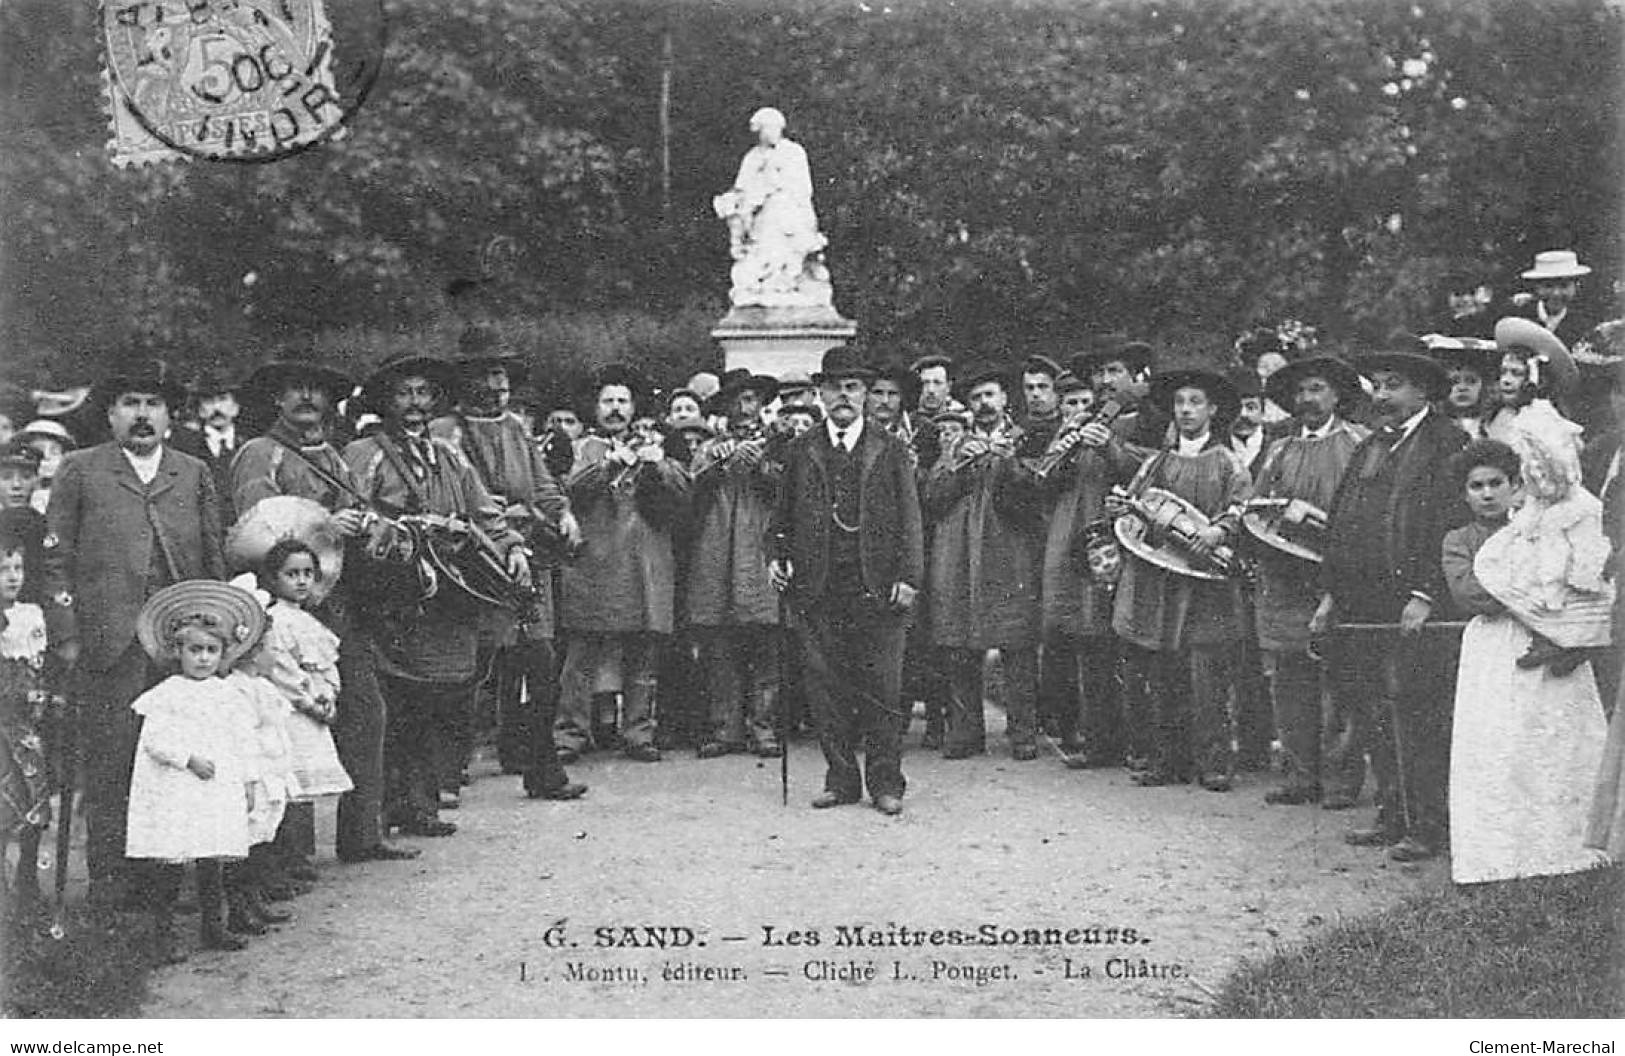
[[468, 930]]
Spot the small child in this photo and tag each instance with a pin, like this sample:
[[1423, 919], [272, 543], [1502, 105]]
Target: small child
[[191, 791], [1549, 567], [25, 792], [270, 765], [302, 661]]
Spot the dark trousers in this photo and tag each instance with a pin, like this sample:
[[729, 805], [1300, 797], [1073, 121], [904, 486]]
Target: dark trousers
[[422, 729], [1394, 697], [1302, 720], [742, 683], [854, 669], [967, 728], [358, 734], [924, 680], [109, 732], [680, 695], [1255, 724], [1088, 689], [640, 666], [1191, 731], [537, 665]]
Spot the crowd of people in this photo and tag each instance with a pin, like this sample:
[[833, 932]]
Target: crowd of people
[[1399, 563]]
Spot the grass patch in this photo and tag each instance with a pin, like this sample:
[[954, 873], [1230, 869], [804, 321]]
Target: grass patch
[[1547, 947], [98, 970]]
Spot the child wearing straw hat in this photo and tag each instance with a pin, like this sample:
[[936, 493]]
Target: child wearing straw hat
[[191, 789]]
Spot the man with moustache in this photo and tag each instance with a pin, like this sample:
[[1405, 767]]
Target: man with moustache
[[426, 649], [886, 398], [729, 598], [1302, 470], [847, 549], [1392, 687], [617, 599], [1122, 373], [984, 572], [296, 456], [216, 439], [127, 518], [1080, 658], [518, 651]]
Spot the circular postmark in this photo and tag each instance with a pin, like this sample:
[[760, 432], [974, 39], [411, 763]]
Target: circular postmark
[[235, 80]]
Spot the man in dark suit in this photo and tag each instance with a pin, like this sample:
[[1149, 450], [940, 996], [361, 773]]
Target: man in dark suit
[[848, 549], [216, 439], [1392, 684], [127, 518], [1603, 465]]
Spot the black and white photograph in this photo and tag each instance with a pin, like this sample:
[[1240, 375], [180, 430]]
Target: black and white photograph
[[717, 510]]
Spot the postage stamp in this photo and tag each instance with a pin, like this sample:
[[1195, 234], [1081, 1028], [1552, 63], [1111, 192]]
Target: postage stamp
[[222, 80]]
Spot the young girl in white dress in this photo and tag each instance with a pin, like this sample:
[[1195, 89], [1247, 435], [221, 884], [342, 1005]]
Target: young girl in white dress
[[271, 770], [192, 789], [302, 660]]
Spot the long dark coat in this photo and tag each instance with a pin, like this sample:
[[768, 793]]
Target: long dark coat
[[728, 584], [104, 529], [1072, 603], [890, 540], [985, 553], [624, 579]]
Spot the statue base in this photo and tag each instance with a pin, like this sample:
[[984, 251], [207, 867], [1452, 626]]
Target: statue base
[[781, 340]]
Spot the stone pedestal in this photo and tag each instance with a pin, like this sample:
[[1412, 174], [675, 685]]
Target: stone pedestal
[[781, 340]]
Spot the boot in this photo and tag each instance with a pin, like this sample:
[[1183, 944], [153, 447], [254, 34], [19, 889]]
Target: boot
[[211, 902], [166, 945]]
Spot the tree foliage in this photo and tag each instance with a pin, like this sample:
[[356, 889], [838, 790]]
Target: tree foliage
[[991, 176]]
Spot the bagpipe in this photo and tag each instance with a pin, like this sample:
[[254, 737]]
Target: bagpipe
[[440, 550]]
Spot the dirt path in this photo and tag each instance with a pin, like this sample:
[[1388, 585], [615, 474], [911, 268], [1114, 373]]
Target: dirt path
[[1203, 879]]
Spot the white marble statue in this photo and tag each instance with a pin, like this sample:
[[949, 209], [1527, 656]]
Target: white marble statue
[[772, 228]]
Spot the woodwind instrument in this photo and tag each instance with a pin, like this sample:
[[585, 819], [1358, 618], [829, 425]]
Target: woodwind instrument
[[1066, 442], [1001, 442], [752, 436]]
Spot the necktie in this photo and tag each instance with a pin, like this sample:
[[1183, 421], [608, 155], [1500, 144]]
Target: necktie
[[840, 440], [1376, 456]]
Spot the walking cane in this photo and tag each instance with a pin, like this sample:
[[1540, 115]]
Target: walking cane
[[68, 765], [782, 719], [1393, 708]]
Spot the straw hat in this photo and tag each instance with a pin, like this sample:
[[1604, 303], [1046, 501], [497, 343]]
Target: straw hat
[[1557, 264], [234, 611]]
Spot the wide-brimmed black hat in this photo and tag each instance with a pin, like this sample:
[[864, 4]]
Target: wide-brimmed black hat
[[212, 383], [843, 362], [482, 347], [1246, 382], [375, 390], [981, 374], [1220, 390], [144, 375], [1136, 355], [1409, 359], [741, 380], [1282, 386], [269, 381]]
